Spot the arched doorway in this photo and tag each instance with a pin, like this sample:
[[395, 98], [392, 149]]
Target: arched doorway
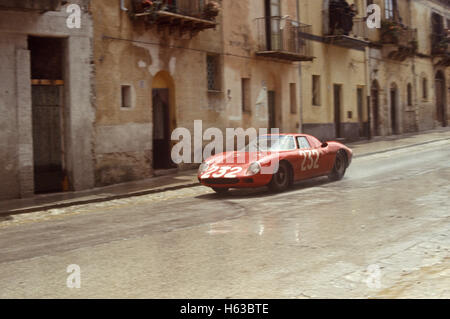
[[394, 120], [441, 102], [375, 95], [164, 119]]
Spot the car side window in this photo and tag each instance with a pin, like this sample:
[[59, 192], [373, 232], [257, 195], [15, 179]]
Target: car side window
[[303, 143]]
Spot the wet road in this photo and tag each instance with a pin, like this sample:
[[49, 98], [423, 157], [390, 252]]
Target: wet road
[[384, 231]]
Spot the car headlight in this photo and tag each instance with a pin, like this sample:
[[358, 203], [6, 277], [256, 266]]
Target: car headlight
[[254, 168], [203, 167]]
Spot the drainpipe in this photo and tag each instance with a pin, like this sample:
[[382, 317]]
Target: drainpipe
[[368, 76], [122, 6], [300, 124]]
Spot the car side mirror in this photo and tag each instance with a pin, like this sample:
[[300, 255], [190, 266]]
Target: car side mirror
[[324, 144]]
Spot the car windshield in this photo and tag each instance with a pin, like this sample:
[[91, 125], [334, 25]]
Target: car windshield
[[271, 143]]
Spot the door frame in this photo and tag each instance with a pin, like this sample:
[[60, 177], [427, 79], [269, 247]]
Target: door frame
[[337, 107]]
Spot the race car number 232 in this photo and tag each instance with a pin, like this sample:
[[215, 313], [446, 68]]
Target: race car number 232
[[223, 171], [310, 160]]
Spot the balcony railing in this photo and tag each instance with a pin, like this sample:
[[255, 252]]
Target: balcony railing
[[398, 34], [186, 15], [440, 43], [31, 5], [345, 30], [284, 39], [399, 41]]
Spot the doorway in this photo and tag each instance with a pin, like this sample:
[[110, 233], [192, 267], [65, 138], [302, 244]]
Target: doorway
[[48, 114], [360, 105], [161, 129], [272, 110], [394, 124], [440, 98], [337, 93], [375, 95]]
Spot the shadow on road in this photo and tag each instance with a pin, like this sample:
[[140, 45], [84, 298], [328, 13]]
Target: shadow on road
[[264, 191]]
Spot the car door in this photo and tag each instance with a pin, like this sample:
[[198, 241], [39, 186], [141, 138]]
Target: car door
[[306, 159], [325, 158]]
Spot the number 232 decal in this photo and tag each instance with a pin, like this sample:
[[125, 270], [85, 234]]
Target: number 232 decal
[[225, 171], [310, 160]]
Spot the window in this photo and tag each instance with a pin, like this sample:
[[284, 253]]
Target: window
[[293, 96], [126, 96], [303, 143], [390, 6], [409, 94], [316, 90], [212, 68], [245, 86], [424, 88]]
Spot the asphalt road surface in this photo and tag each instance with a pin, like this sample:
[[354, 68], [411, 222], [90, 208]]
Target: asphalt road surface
[[382, 232]]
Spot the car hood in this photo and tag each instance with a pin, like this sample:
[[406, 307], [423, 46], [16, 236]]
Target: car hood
[[236, 158]]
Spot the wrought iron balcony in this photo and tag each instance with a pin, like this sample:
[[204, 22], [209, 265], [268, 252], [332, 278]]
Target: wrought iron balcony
[[345, 30], [399, 41], [283, 39], [440, 47], [185, 15], [440, 43], [31, 5]]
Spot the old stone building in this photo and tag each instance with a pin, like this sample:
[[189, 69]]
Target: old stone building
[[408, 72], [46, 127]]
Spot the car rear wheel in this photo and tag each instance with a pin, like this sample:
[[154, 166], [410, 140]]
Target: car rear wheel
[[339, 168], [281, 179], [221, 190]]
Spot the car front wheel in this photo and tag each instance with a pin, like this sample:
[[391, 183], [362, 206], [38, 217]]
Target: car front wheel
[[281, 179], [339, 168]]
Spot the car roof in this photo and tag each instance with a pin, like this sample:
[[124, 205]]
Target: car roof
[[288, 134]]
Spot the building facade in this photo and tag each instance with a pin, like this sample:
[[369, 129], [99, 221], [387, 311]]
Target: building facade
[[95, 104], [408, 74]]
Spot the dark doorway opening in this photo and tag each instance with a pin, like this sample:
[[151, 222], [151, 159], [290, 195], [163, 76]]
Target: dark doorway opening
[[337, 93], [272, 110], [375, 92], [394, 124], [441, 103], [161, 130], [360, 104], [48, 114]]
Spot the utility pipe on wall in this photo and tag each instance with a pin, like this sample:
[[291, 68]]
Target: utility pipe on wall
[[122, 5]]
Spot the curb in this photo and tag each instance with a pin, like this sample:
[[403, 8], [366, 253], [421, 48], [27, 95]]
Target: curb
[[96, 200], [401, 147]]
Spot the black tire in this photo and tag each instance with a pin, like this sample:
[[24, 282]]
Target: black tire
[[220, 190], [281, 180], [339, 168]]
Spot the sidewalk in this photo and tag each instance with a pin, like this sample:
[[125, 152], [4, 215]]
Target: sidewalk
[[187, 179]]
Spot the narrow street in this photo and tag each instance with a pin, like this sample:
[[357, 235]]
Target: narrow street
[[387, 222]]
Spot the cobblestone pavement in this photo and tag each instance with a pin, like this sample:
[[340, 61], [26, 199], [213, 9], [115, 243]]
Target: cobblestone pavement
[[384, 231]]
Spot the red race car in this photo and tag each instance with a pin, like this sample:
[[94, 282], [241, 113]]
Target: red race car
[[276, 161]]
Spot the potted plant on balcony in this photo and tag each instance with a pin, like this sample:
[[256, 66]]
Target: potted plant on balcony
[[390, 32], [441, 45], [211, 10]]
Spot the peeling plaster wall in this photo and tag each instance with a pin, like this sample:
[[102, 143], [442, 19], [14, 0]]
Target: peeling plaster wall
[[132, 53]]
